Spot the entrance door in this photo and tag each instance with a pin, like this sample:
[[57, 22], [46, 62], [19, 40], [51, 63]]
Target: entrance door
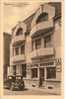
[[41, 76]]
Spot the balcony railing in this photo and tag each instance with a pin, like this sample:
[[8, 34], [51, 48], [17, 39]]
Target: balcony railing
[[42, 52], [18, 38], [17, 58], [42, 26]]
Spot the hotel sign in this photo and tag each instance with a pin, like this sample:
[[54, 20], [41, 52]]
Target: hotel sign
[[58, 64], [58, 61]]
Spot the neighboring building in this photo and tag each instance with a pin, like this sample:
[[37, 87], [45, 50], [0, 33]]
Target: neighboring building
[[6, 54], [35, 51]]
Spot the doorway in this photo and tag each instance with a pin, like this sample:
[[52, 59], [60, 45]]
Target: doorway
[[41, 77]]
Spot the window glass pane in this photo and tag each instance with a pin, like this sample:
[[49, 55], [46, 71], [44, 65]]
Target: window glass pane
[[14, 70], [34, 73], [22, 49], [47, 64], [24, 70], [17, 51], [33, 45], [19, 31], [42, 17], [13, 51], [51, 72], [38, 43], [47, 41]]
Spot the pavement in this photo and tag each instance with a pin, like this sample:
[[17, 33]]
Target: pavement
[[32, 91], [48, 91]]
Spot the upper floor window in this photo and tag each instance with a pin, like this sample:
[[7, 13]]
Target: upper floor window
[[22, 49], [42, 17], [19, 31], [47, 41], [33, 42], [37, 43], [17, 50]]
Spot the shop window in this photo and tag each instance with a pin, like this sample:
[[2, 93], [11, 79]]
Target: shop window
[[19, 31], [51, 72], [42, 17], [14, 70], [24, 70], [17, 51], [38, 43], [22, 49], [47, 41], [34, 73]]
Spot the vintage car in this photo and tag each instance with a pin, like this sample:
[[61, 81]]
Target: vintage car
[[15, 83], [7, 83]]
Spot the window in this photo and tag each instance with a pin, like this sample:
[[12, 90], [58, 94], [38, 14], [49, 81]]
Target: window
[[19, 31], [51, 72], [17, 51], [13, 51], [42, 17], [47, 41], [37, 43], [47, 64], [22, 49], [32, 45], [34, 73], [14, 70], [24, 70]]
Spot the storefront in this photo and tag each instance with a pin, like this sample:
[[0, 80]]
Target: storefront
[[44, 74]]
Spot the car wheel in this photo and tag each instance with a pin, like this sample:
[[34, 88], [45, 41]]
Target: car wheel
[[12, 88]]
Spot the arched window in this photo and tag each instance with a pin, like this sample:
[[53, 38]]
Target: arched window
[[19, 31], [42, 17]]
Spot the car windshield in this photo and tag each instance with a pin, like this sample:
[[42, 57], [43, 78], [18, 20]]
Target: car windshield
[[18, 77], [10, 77]]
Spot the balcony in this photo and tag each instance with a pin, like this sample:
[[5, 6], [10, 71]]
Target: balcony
[[42, 26], [18, 58], [18, 38], [42, 52]]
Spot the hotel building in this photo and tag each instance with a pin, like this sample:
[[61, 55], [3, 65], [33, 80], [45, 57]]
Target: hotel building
[[35, 49]]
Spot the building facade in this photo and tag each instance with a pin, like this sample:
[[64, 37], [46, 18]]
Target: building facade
[[6, 54], [35, 49]]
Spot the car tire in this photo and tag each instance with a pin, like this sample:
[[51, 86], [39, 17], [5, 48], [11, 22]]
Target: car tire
[[12, 88]]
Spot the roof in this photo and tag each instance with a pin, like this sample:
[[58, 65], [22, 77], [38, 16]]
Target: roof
[[57, 6]]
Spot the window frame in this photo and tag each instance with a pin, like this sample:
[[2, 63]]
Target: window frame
[[42, 17], [24, 70], [34, 73], [49, 75], [14, 70], [19, 32], [22, 50], [47, 41], [17, 52], [37, 43]]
